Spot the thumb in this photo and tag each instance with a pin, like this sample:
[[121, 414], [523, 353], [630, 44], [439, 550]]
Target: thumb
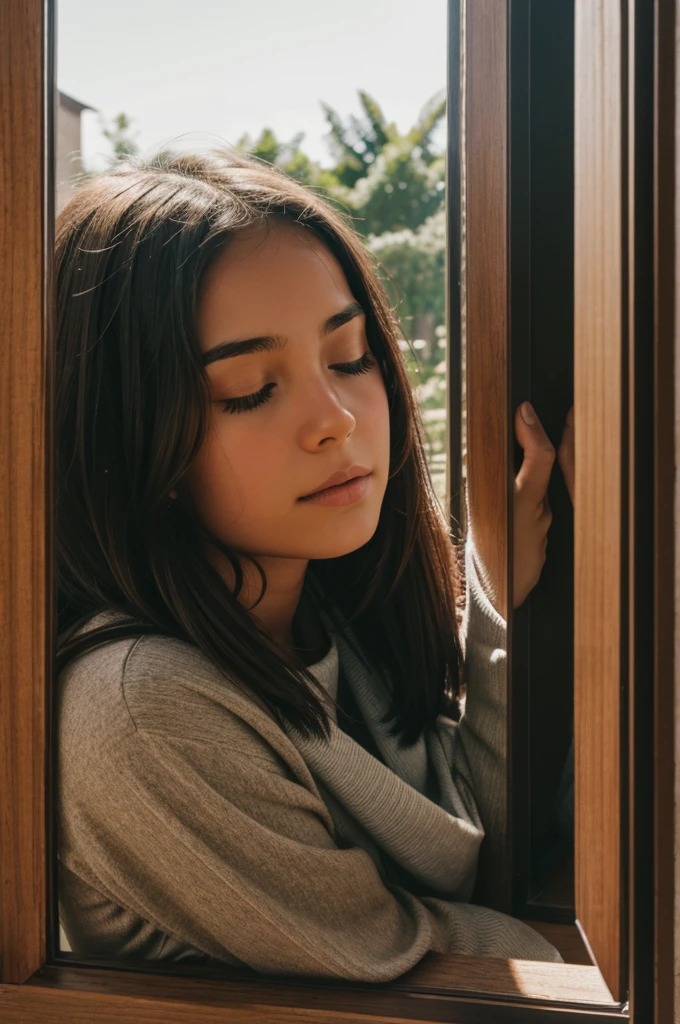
[[539, 454]]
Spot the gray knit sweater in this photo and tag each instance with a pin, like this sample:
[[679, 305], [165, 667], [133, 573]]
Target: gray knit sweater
[[193, 828]]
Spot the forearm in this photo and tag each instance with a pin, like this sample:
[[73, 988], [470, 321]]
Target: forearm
[[483, 727]]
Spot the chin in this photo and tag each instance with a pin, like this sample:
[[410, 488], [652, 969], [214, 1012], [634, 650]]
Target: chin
[[339, 539]]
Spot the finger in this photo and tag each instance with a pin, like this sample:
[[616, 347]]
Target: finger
[[546, 513], [539, 455], [546, 523], [568, 428], [565, 452], [566, 448]]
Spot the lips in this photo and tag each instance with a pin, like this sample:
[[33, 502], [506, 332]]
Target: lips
[[341, 477]]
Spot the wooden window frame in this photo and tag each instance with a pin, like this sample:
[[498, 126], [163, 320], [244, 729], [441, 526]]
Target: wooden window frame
[[34, 986]]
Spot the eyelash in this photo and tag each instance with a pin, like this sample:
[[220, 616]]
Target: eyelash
[[247, 402]]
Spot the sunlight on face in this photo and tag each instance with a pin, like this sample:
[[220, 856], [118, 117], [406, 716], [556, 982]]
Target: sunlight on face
[[315, 419]]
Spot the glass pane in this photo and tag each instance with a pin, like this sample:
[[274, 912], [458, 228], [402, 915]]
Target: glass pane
[[202, 820], [358, 113], [354, 108]]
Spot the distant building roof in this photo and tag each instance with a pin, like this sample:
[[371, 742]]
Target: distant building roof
[[75, 106]]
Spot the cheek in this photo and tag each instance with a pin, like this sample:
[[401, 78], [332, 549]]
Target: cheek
[[240, 477], [232, 473], [376, 416]]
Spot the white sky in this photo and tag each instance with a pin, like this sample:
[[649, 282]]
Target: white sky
[[218, 68]]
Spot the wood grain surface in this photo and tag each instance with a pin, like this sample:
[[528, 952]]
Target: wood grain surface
[[70, 996], [24, 586], [487, 313], [486, 214], [598, 399], [666, 506]]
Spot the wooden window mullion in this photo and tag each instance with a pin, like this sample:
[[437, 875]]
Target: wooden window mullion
[[25, 594]]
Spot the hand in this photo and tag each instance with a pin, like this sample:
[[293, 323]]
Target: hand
[[565, 453], [532, 515]]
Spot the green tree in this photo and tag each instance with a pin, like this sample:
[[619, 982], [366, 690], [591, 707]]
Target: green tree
[[118, 132], [356, 144], [386, 180], [421, 136], [289, 157], [413, 265], [400, 191]]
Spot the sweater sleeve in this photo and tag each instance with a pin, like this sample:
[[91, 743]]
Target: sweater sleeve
[[224, 848], [478, 743]]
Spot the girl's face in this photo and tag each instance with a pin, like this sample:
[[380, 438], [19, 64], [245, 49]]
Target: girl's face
[[316, 416]]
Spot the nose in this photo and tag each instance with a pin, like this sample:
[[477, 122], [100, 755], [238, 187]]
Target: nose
[[324, 416]]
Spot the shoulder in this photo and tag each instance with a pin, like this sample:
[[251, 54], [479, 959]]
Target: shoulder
[[168, 688], [482, 626], [172, 687]]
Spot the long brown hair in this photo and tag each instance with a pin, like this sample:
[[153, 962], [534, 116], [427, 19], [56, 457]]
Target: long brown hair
[[132, 248]]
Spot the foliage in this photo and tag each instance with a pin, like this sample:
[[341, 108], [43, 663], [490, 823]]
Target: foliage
[[289, 157], [428, 380], [356, 144], [385, 180], [399, 191], [119, 134], [415, 262]]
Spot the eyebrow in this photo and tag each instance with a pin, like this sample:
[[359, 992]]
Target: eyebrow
[[270, 343]]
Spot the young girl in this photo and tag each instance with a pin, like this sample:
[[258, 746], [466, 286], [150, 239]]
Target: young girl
[[261, 758]]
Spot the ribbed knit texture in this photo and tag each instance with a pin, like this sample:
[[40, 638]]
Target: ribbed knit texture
[[193, 828]]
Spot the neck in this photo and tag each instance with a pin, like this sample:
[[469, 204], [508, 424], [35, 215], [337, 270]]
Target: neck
[[309, 640], [284, 612]]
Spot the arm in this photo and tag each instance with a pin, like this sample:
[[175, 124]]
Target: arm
[[483, 729], [476, 746], [217, 844], [242, 867], [485, 721]]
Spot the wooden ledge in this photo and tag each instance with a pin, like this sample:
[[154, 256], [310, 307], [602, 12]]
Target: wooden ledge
[[465, 990]]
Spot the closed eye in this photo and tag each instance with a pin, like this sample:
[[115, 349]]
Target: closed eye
[[247, 402]]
